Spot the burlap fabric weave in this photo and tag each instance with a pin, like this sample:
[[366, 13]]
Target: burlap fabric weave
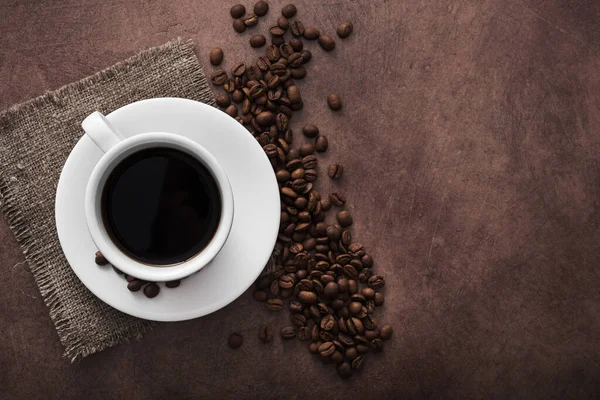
[[35, 140]]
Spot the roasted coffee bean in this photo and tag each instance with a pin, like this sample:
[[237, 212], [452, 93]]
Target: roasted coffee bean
[[311, 33], [296, 306], [130, 278], [297, 106], [289, 11], [265, 334], [306, 56], [257, 41], [358, 297], [376, 282], [173, 284], [377, 345], [371, 334], [307, 297], [260, 295], [286, 50], [333, 232], [223, 100], [219, 77], [263, 64], [344, 29], [350, 271], [237, 11], [286, 281], [297, 45], [261, 8], [321, 144], [337, 199], [272, 54], [297, 28], [295, 60], [298, 73], [235, 340], [100, 259], [281, 122], [310, 175], [238, 25], [310, 131], [367, 261], [328, 322], [283, 23], [293, 93], [151, 290], [304, 333], [326, 42], [334, 102], [356, 249], [274, 288], [354, 307], [265, 118], [278, 69], [386, 332], [300, 203], [344, 370], [362, 349], [298, 319], [314, 347], [298, 174], [352, 286], [306, 149], [325, 204], [309, 244], [232, 111], [251, 20], [288, 332], [275, 304], [335, 171], [309, 162], [277, 40], [351, 353], [135, 285], [345, 339], [282, 175], [337, 357], [344, 218], [327, 349], [216, 56], [379, 299]]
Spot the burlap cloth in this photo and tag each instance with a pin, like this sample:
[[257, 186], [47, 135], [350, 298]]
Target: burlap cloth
[[35, 140]]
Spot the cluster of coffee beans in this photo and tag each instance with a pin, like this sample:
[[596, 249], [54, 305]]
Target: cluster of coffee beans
[[150, 289], [324, 277]]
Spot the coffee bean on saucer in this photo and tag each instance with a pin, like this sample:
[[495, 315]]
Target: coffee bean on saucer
[[334, 101], [261, 8], [235, 340], [335, 171], [237, 11], [257, 41], [311, 33], [251, 20], [238, 25], [173, 284], [117, 270], [216, 56], [100, 259], [289, 11], [135, 285], [344, 218], [344, 29], [151, 290], [326, 42], [265, 334]]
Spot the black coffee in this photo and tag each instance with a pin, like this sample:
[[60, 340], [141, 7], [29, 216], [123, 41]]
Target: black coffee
[[161, 206]]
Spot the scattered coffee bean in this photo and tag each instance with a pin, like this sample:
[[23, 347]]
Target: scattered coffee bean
[[238, 25], [306, 150], [223, 100], [288, 332], [344, 218], [251, 20], [386, 331], [232, 111], [274, 304], [219, 77], [306, 56], [216, 56], [379, 299], [335, 171], [258, 41], [337, 199], [265, 334], [376, 282], [310, 131], [261, 8], [100, 259], [357, 362], [151, 290], [297, 45], [344, 29], [326, 42], [311, 33], [321, 144], [289, 11], [237, 11], [334, 102], [297, 28], [235, 340], [344, 370], [283, 23]]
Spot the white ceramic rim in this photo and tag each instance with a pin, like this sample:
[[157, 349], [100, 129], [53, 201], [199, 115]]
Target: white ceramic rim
[[94, 218]]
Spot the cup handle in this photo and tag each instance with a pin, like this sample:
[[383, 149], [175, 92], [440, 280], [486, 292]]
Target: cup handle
[[101, 131]]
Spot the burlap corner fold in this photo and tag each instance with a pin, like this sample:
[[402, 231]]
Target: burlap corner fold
[[35, 140]]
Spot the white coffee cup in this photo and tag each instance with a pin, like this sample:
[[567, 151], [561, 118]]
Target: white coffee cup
[[116, 147]]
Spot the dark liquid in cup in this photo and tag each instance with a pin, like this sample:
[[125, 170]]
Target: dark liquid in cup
[[161, 206]]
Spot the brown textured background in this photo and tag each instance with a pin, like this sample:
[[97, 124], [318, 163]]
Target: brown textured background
[[471, 139]]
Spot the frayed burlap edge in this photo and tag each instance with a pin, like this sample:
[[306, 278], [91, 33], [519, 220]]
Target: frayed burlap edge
[[74, 350]]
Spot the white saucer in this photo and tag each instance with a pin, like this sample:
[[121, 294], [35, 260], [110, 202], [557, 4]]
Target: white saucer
[[254, 229]]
